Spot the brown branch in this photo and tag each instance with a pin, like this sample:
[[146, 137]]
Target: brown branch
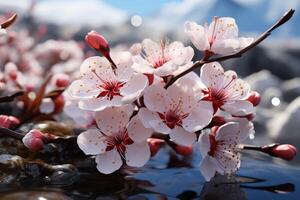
[[287, 16], [11, 97], [9, 21]]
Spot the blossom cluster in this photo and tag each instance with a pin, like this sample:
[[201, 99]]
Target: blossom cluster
[[127, 97]]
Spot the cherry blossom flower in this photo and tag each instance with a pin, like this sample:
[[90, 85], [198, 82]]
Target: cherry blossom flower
[[225, 90], [100, 86], [220, 149], [161, 59], [221, 37], [117, 140], [175, 111]]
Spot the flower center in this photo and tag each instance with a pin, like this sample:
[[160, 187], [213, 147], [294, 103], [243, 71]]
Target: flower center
[[111, 89], [172, 118], [119, 141]]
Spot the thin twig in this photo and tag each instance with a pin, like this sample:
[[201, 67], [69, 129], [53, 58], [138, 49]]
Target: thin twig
[[287, 16], [11, 97], [9, 21]]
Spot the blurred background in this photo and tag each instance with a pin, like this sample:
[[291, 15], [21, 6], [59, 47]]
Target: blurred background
[[51, 33]]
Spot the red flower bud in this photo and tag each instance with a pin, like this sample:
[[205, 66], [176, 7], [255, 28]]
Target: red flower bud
[[184, 150], [8, 121], [155, 145], [254, 98], [59, 103], [98, 42], [61, 80], [33, 140], [284, 151]]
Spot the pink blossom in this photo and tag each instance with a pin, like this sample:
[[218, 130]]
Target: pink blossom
[[100, 86], [221, 37], [161, 59], [175, 111], [225, 90], [220, 148], [118, 139]]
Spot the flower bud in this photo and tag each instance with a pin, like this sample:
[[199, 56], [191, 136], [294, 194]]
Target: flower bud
[[254, 98], [98, 42], [155, 144], [33, 140], [284, 151], [183, 150], [59, 103], [61, 80], [8, 121]]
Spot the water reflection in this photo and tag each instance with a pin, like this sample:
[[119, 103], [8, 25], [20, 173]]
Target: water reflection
[[167, 176]]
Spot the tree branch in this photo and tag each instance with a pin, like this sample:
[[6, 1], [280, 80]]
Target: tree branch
[[9, 21], [11, 97], [287, 16]]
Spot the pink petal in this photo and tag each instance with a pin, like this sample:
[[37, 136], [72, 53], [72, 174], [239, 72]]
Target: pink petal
[[109, 161], [182, 137], [137, 154], [91, 142], [197, 35], [136, 130]]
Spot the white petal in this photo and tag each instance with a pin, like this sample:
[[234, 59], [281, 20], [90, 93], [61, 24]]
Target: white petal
[[47, 106], [91, 142], [112, 120], [179, 54], [109, 161], [230, 129], [246, 128], [239, 108], [225, 46], [182, 137], [244, 42], [137, 154], [136, 130], [223, 28], [197, 35], [166, 69], [134, 88], [123, 60], [200, 117], [160, 127], [154, 98], [94, 104], [83, 89], [193, 81], [146, 116], [239, 90], [97, 69], [212, 75], [151, 48], [141, 65], [204, 143], [209, 167], [181, 96]]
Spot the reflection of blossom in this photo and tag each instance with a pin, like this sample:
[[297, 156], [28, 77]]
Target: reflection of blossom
[[175, 111], [220, 149], [160, 59], [100, 86], [118, 139], [221, 37]]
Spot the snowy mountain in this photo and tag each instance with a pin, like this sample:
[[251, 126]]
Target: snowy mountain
[[251, 15]]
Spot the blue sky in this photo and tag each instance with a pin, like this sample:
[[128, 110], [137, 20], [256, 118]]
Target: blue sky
[[139, 7]]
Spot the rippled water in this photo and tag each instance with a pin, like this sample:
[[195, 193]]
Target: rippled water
[[166, 176]]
